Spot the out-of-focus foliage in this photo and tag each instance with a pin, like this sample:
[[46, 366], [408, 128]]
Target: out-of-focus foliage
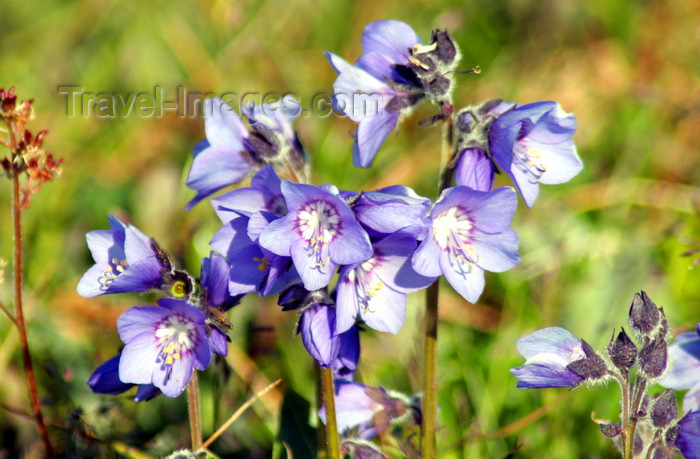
[[627, 70]]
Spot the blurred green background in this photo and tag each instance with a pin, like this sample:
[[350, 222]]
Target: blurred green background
[[628, 70]]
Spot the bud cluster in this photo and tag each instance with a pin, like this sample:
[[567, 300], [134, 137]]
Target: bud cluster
[[26, 153]]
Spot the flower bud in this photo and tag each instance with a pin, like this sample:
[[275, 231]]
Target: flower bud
[[622, 351], [644, 315], [653, 358], [665, 409], [610, 430]]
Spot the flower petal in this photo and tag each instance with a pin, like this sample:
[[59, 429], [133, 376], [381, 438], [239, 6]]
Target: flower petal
[[391, 38]]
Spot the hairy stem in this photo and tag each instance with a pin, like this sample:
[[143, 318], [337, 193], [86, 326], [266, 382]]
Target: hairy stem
[[429, 415], [194, 412], [331, 424], [19, 314]]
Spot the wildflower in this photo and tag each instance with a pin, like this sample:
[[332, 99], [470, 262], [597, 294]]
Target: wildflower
[[217, 300], [368, 410], [345, 364], [218, 161], [395, 72], [391, 210], [163, 345], [376, 288], [105, 380], [688, 440], [548, 352], [272, 138], [319, 232], [317, 328], [263, 195], [125, 261], [684, 372], [469, 233], [532, 144], [475, 170], [253, 268]]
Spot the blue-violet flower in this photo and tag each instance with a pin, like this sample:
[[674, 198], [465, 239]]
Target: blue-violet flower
[[547, 353], [163, 345], [532, 144], [319, 232], [469, 233], [126, 260]]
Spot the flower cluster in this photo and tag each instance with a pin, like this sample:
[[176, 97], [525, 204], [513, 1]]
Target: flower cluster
[[163, 343], [343, 258], [557, 358]]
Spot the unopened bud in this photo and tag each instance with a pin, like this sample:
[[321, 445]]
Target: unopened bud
[[653, 357], [665, 409], [644, 315], [610, 430], [622, 351]]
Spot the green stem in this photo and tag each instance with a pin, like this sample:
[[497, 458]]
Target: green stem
[[21, 326], [331, 423], [430, 386], [194, 412], [428, 443]]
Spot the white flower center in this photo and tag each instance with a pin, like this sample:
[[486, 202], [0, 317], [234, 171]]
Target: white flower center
[[452, 230], [175, 335], [318, 222]]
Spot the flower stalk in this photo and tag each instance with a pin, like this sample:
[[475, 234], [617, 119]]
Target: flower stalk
[[428, 441], [332, 438], [18, 284], [194, 412]]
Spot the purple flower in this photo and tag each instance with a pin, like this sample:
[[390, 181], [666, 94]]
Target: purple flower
[[688, 440], [684, 373], [263, 195], [376, 288], [218, 299], [345, 364], [547, 353], [319, 232], [469, 233], [272, 135], [163, 344], [354, 407], [317, 328], [532, 144], [253, 269], [126, 260], [105, 380], [218, 161], [391, 210], [368, 410], [475, 170], [373, 92]]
